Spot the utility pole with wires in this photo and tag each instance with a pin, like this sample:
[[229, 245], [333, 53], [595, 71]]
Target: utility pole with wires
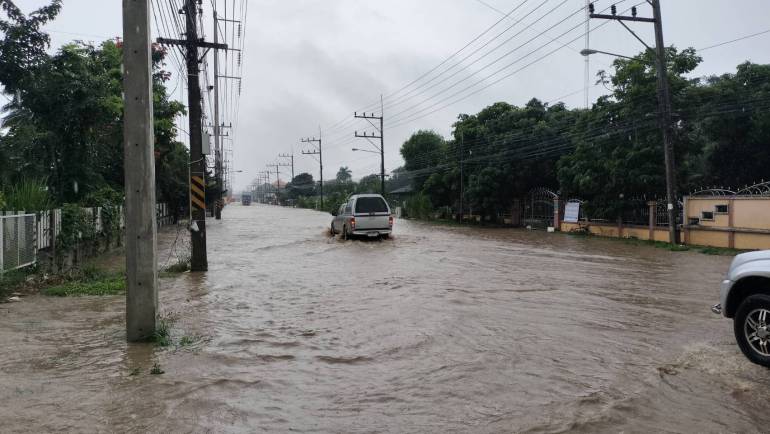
[[138, 140], [664, 101], [192, 44], [291, 158], [218, 146], [317, 151], [278, 180], [380, 130]]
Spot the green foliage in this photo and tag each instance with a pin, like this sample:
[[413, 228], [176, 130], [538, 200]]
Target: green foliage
[[28, 195], [302, 185], [111, 203], [22, 48], [112, 285], [77, 224], [78, 147], [344, 174], [418, 206], [156, 369]]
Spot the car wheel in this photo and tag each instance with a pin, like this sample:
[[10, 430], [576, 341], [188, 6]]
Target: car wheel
[[385, 236], [345, 235], [752, 328], [333, 231]]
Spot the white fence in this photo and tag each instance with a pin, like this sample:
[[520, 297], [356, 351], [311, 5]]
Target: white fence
[[22, 235], [18, 246]]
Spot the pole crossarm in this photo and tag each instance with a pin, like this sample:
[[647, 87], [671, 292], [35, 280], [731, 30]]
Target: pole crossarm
[[623, 18], [199, 43]]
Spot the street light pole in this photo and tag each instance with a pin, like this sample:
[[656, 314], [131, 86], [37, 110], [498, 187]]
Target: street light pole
[[664, 100]]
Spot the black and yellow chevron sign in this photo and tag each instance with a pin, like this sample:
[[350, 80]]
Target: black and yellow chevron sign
[[197, 192]]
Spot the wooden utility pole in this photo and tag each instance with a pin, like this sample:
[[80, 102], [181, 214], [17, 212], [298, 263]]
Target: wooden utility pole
[[139, 163], [199, 261], [664, 102]]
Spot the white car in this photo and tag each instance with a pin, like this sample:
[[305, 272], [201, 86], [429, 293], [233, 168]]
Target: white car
[[365, 215], [745, 297]]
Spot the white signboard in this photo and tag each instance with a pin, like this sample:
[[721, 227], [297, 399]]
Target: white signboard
[[572, 212]]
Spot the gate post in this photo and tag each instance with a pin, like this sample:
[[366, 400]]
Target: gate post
[[653, 218], [516, 213], [556, 214]]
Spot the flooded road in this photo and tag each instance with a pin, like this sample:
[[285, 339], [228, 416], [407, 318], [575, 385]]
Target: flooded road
[[439, 329]]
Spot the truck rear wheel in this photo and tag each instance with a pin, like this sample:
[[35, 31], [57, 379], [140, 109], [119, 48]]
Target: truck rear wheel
[[752, 328]]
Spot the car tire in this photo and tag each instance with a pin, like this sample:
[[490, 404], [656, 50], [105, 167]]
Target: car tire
[[385, 236], [752, 328], [332, 229], [345, 235]]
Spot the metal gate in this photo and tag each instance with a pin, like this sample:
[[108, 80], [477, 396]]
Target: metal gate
[[18, 244], [539, 208]]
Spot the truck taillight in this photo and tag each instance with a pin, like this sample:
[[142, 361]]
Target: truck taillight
[[353, 223], [390, 221]]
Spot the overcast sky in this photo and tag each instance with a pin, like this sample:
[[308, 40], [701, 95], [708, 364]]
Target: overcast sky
[[311, 63]]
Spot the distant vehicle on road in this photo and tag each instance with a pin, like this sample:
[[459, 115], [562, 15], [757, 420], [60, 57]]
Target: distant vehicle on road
[[745, 297], [366, 215], [246, 199]]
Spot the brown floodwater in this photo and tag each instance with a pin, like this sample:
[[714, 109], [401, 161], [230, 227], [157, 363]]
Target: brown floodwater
[[439, 329]]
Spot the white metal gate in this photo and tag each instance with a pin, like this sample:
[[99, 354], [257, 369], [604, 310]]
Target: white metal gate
[[18, 244]]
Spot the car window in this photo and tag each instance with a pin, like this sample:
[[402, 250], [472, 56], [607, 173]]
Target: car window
[[348, 209], [342, 209], [365, 205]]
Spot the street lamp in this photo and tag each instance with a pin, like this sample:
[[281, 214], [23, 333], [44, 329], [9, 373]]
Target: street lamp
[[365, 150], [589, 51], [664, 115]]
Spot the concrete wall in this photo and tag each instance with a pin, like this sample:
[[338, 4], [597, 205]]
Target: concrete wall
[[615, 231], [746, 225]]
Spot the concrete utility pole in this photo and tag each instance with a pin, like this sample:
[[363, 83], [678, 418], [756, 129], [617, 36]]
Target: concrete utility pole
[[318, 151], [199, 261], [381, 136], [664, 101], [218, 169], [291, 158], [139, 155], [217, 141]]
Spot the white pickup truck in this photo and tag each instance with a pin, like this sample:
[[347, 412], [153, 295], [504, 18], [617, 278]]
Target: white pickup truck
[[745, 297]]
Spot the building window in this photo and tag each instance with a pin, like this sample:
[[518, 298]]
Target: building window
[[722, 209], [707, 216]]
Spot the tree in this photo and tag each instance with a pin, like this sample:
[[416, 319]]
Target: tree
[[302, 185], [625, 161], [423, 151], [67, 126], [344, 175], [23, 46]]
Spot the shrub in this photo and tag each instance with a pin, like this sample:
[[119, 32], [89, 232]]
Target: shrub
[[418, 206], [28, 195]]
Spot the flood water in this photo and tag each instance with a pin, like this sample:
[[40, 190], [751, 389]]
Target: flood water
[[439, 329]]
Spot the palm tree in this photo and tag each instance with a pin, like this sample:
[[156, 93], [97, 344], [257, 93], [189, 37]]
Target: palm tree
[[344, 175]]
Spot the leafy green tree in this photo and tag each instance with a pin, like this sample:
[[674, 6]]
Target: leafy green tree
[[302, 185], [344, 174], [423, 151], [23, 45]]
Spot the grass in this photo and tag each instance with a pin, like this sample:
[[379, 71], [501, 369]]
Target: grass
[[157, 370], [162, 335], [113, 285]]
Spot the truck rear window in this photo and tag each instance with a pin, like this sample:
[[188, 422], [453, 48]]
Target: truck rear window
[[365, 205]]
